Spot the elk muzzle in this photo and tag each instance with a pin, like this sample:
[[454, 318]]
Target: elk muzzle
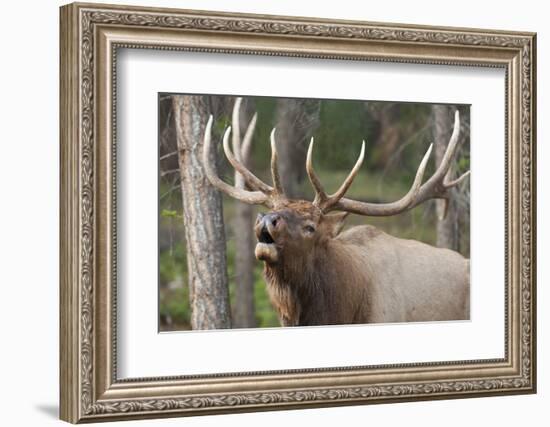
[[267, 229]]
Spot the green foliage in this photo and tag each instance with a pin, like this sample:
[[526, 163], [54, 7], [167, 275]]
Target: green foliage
[[343, 126], [168, 213], [174, 305], [174, 293], [340, 121], [173, 264], [266, 317]]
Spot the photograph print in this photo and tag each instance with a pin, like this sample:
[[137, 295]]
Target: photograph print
[[278, 212]]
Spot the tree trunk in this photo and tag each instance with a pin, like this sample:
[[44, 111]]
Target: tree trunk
[[388, 134], [203, 217], [447, 225], [244, 312], [296, 120]]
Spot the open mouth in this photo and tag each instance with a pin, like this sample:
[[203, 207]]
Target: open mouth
[[266, 249], [265, 237]]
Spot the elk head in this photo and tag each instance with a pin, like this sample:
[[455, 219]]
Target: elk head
[[293, 229]]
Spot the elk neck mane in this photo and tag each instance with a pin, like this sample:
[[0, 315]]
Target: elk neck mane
[[302, 288]]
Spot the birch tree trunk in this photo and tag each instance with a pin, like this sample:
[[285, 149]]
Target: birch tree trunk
[[202, 213], [244, 312], [447, 227], [296, 120]]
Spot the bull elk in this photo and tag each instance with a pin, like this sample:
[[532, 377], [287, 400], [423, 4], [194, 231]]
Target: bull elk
[[318, 275]]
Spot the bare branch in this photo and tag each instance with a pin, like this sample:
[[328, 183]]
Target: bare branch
[[168, 155]]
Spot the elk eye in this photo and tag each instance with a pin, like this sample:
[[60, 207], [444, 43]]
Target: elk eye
[[309, 229]]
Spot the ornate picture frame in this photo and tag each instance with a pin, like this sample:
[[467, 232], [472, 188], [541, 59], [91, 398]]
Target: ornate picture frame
[[90, 37]]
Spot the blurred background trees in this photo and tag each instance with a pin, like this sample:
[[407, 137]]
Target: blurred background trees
[[397, 135], [295, 123], [244, 308]]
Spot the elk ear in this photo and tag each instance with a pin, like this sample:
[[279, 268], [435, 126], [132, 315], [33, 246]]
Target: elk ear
[[335, 222]]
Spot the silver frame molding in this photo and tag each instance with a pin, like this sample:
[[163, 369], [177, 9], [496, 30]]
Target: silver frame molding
[[90, 37]]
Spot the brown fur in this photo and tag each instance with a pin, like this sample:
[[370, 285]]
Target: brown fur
[[362, 275]]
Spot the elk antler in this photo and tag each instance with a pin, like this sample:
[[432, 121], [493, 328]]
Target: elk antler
[[436, 187], [262, 194], [241, 148]]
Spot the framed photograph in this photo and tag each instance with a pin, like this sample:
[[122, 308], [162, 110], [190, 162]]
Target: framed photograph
[[265, 212]]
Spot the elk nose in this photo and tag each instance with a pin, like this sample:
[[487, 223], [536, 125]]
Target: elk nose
[[271, 218], [259, 218]]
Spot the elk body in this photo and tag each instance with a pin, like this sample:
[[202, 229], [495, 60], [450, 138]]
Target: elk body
[[318, 275]]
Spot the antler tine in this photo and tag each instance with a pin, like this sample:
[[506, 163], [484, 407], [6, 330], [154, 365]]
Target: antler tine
[[320, 194], [333, 199], [449, 153], [386, 209], [274, 167], [457, 181], [236, 125], [251, 180], [241, 148], [247, 139], [446, 161], [251, 197]]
